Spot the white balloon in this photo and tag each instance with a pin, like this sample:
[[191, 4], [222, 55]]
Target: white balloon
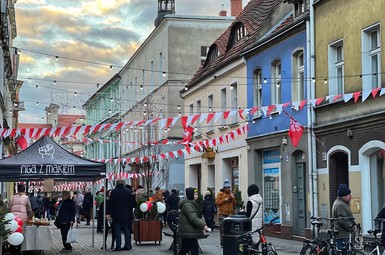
[[161, 208], [9, 216], [12, 225], [15, 238], [143, 207], [157, 203]]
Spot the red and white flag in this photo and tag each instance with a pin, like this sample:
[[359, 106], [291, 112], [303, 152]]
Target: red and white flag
[[295, 131], [187, 134], [23, 142]]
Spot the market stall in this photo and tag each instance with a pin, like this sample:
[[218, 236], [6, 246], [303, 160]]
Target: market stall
[[45, 159]]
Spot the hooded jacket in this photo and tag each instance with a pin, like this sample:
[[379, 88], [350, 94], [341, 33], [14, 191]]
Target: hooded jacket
[[190, 226]]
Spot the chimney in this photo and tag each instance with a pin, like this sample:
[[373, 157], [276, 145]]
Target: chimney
[[236, 7], [223, 13]]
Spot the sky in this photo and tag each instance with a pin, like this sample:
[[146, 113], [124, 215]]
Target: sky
[[99, 33]]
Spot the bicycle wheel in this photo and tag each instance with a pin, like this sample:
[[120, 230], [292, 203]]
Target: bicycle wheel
[[368, 248], [358, 252], [308, 249]]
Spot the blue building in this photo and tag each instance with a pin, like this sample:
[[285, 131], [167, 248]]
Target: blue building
[[276, 85]]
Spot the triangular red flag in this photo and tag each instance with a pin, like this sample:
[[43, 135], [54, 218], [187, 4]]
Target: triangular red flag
[[295, 131], [226, 114], [356, 96], [375, 91], [210, 116]]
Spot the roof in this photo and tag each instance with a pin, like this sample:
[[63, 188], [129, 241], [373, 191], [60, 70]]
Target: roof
[[33, 125], [253, 16], [65, 120]]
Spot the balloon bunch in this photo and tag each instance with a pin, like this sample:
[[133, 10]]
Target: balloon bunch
[[15, 226], [147, 206]]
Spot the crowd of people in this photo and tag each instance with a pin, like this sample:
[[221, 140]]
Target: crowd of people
[[194, 218]]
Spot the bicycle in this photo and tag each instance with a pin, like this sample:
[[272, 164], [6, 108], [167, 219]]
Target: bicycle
[[249, 247], [351, 247], [319, 246], [373, 247]]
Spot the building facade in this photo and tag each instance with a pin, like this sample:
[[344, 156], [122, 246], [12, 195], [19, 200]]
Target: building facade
[[276, 71], [220, 85], [349, 125], [148, 88]]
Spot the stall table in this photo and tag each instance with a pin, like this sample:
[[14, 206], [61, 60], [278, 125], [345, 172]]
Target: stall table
[[37, 238]]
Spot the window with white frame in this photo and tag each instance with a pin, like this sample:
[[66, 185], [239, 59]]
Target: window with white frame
[[210, 105], [336, 68], [276, 83], [198, 109], [234, 102], [298, 82], [223, 103], [371, 58], [257, 91]]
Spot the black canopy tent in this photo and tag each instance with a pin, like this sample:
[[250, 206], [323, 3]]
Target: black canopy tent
[[45, 159]]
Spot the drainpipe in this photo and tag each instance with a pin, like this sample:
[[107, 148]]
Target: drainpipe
[[310, 55]]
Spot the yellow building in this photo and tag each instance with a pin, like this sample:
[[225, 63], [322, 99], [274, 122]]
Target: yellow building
[[349, 63]]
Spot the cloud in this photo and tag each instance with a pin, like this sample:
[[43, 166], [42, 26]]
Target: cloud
[[96, 31]]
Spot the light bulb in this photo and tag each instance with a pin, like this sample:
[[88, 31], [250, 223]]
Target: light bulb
[[54, 82], [56, 58], [110, 67], [164, 74], [264, 80], [75, 94]]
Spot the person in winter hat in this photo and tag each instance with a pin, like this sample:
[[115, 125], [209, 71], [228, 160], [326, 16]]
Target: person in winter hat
[[190, 226], [209, 209], [226, 202], [341, 208], [254, 208]]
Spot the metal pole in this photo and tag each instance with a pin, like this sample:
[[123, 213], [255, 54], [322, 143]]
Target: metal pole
[[93, 214], [104, 215]]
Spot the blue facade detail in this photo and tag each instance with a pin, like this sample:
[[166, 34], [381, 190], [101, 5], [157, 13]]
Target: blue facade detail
[[283, 52]]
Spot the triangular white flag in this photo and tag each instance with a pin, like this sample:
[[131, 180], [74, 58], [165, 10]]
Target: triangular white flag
[[279, 108], [382, 91], [217, 116], [264, 110], [347, 97], [296, 105], [162, 123], [174, 121], [203, 117], [313, 102], [330, 97], [365, 94]]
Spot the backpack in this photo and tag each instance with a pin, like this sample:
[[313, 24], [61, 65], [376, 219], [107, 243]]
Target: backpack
[[209, 207]]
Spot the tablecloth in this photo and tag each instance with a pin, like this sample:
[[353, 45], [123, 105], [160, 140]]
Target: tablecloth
[[37, 238]]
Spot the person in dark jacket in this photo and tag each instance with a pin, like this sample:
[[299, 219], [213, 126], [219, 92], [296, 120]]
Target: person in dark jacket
[[133, 203], [120, 205], [341, 208], [87, 205], [108, 220], [190, 226], [66, 219], [171, 204], [209, 209], [46, 206]]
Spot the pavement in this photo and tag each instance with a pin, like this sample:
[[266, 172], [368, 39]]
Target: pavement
[[209, 246]]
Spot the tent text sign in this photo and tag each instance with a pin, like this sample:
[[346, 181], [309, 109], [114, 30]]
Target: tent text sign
[[45, 159]]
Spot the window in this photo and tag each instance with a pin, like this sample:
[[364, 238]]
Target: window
[[210, 104], [234, 102], [223, 104], [238, 31], [298, 83], [300, 7], [204, 53], [160, 67], [257, 87], [336, 68], [191, 109], [211, 55], [276, 83], [198, 108], [371, 58]]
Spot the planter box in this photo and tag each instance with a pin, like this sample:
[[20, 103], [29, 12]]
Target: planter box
[[147, 231]]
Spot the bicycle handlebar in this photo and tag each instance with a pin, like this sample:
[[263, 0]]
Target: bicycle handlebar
[[271, 222]]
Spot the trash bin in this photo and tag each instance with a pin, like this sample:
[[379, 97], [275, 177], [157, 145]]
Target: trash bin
[[233, 227]]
